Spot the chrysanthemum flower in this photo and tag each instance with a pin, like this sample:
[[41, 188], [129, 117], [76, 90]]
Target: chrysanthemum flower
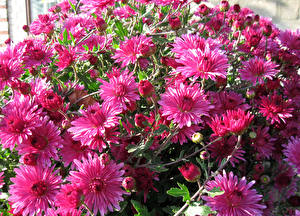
[[290, 39], [256, 69], [274, 108], [1, 179], [131, 49], [96, 6], [44, 142], [262, 143], [43, 24], [34, 189], [9, 70], [90, 128], [237, 200], [21, 117], [222, 149], [68, 198], [120, 90], [184, 104], [205, 63], [237, 121], [101, 184], [292, 152]]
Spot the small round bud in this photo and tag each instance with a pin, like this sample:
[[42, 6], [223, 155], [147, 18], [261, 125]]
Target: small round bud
[[203, 9], [197, 137], [236, 8], [204, 155], [101, 25], [224, 6], [252, 135], [128, 184], [26, 28], [250, 94], [104, 158], [265, 179], [190, 172], [267, 30], [30, 159], [174, 22], [145, 87], [259, 168], [139, 120]]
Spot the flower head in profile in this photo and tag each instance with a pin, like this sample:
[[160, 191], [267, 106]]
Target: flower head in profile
[[91, 127], [184, 104], [43, 24], [237, 200], [256, 69], [100, 183], [292, 152], [34, 189], [120, 91], [207, 63]]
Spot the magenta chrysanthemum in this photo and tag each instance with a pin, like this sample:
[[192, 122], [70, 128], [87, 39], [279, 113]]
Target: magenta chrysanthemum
[[237, 200], [90, 129], [275, 108], [68, 198], [9, 70], [34, 189], [263, 143], [205, 63], [44, 142], [96, 6], [131, 49], [256, 69], [184, 104], [100, 184], [44, 24], [1, 180], [120, 91], [292, 152]]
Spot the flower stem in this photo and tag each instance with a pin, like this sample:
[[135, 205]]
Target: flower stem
[[88, 209]]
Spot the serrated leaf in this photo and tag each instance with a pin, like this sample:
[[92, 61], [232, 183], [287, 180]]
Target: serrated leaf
[[142, 75], [197, 209], [121, 31], [216, 191], [141, 209], [178, 192], [162, 128]]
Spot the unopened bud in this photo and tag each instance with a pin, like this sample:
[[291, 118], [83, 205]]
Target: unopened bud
[[265, 179], [104, 158], [190, 172], [204, 155], [128, 184], [252, 135], [197, 137]]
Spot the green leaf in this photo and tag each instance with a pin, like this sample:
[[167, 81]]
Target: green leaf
[[142, 75], [160, 168], [65, 36], [141, 209], [121, 31], [72, 6], [196, 209], [178, 192], [162, 128], [216, 191]]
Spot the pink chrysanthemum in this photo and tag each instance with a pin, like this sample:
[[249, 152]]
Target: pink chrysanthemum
[[100, 183], [124, 12], [263, 143], [68, 198], [292, 152], [9, 70], [207, 63], [91, 127], [96, 6], [120, 91], [237, 200], [1, 180], [44, 142], [21, 117], [274, 108], [222, 149], [34, 189], [73, 150], [290, 39], [43, 24], [184, 133], [256, 69], [190, 41], [184, 104], [131, 49]]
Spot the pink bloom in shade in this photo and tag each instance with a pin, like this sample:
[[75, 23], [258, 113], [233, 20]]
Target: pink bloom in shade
[[120, 90], [44, 142], [207, 63], [73, 150], [290, 39], [184, 104], [275, 108], [45, 23], [222, 149], [100, 183], [256, 69], [68, 199], [190, 41], [9, 70], [131, 49], [218, 126], [292, 152], [21, 117], [184, 133], [34, 189], [263, 143], [237, 200], [90, 128], [36, 53]]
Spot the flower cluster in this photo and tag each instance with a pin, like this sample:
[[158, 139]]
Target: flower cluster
[[107, 104]]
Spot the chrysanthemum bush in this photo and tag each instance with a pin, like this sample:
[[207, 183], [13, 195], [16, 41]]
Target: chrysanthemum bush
[[150, 107]]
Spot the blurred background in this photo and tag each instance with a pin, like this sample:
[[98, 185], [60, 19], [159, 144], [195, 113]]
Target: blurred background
[[14, 14]]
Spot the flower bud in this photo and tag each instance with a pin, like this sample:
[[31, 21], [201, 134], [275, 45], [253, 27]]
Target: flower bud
[[204, 155], [265, 179], [236, 8], [224, 6], [203, 9], [259, 168], [146, 89], [197, 137], [139, 120], [104, 159], [26, 28], [252, 135], [250, 94], [93, 60], [128, 184], [174, 22], [267, 30], [190, 172], [197, 1], [101, 25], [50, 100], [30, 159]]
